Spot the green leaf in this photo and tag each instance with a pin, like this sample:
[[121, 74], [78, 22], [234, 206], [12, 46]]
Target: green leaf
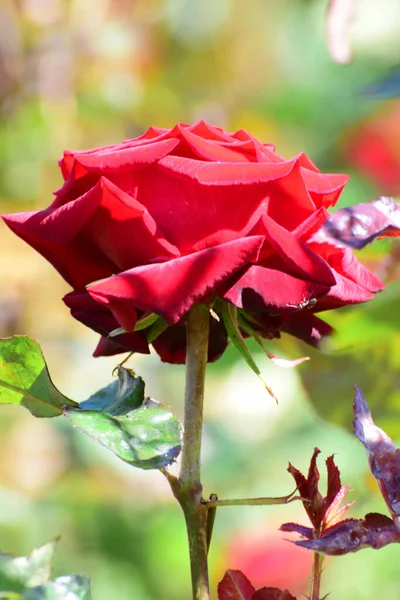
[[25, 380], [148, 437], [67, 587], [156, 329], [329, 381], [230, 318], [19, 572], [147, 320], [28, 578], [120, 397]]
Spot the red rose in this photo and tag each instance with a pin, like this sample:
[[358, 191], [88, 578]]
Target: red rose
[[194, 214]]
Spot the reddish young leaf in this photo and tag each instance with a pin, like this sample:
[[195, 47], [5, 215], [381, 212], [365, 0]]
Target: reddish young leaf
[[270, 593], [308, 489], [235, 586], [306, 532], [321, 511], [358, 225], [374, 531], [384, 458]]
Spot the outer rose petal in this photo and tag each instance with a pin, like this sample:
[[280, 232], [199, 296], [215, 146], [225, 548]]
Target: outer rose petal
[[343, 261], [109, 160], [262, 288], [170, 289], [100, 319], [129, 235], [48, 235], [126, 342], [305, 326]]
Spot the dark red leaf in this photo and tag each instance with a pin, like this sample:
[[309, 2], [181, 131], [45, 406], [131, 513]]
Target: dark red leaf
[[235, 586], [270, 593], [384, 458], [334, 484], [375, 531], [358, 225], [306, 532], [308, 490]]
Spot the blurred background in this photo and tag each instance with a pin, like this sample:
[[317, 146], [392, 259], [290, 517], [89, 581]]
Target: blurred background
[[82, 73]]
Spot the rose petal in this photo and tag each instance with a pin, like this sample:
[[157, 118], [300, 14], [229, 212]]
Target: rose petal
[[211, 150], [343, 261], [307, 327], [122, 220], [210, 173], [171, 288], [270, 289], [54, 234], [110, 160], [301, 260], [92, 314]]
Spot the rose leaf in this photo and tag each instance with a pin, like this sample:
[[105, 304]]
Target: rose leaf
[[66, 587], [358, 225], [148, 437], [25, 380], [270, 593], [235, 586], [120, 397], [17, 573]]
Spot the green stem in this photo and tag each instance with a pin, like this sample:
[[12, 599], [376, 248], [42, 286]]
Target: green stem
[[316, 576], [188, 489], [252, 501], [197, 331]]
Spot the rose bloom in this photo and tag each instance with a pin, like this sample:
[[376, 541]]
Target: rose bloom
[[194, 214]]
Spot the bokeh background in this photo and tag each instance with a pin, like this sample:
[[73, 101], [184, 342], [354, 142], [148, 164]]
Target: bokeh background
[[82, 73]]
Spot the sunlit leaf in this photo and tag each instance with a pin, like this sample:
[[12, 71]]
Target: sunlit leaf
[[373, 362], [384, 458], [67, 587], [19, 572], [120, 397], [148, 437], [25, 380], [358, 225], [28, 578]]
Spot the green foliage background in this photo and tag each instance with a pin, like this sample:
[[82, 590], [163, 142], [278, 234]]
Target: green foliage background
[[79, 74]]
